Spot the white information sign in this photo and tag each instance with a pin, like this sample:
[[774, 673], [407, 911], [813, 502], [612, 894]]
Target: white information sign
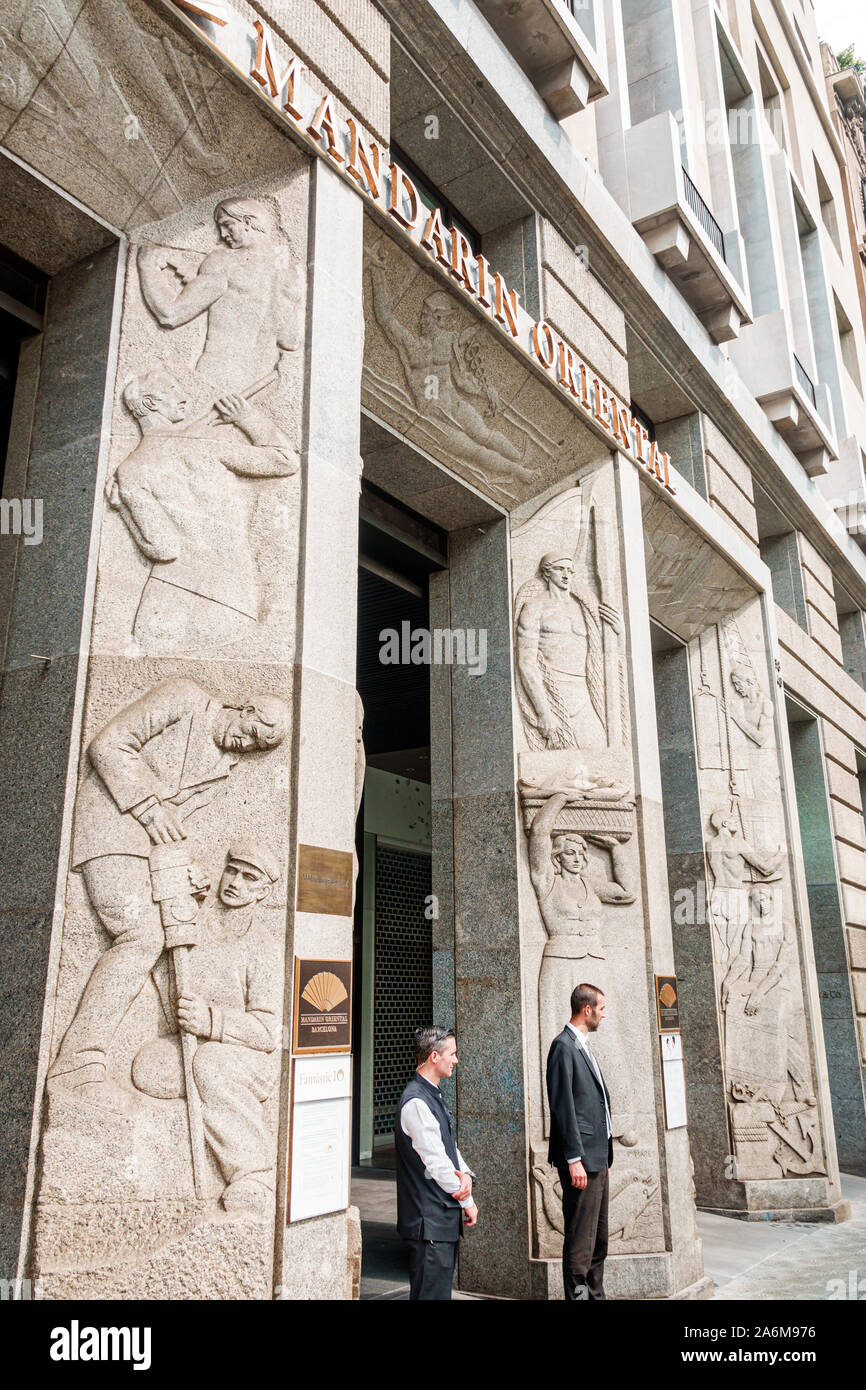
[[674, 1079], [321, 1133]]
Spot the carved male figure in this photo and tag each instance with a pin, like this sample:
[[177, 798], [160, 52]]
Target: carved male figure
[[180, 497], [730, 856], [560, 659], [244, 286], [233, 1005], [442, 387], [754, 715], [156, 763]]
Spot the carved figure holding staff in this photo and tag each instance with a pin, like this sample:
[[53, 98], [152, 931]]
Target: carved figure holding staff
[[246, 287], [560, 657]]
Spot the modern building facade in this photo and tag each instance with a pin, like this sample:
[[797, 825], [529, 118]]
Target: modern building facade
[[502, 366]]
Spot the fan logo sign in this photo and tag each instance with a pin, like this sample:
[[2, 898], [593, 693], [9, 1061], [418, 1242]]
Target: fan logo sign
[[256, 53], [322, 1013]]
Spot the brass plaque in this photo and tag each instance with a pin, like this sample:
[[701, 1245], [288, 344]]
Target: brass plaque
[[667, 1003], [323, 1006], [325, 880]]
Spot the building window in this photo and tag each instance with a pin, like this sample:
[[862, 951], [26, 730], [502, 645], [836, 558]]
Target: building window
[[643, 420], [431, 198], [852, 635], [771, 100], [828, 207], [848, 344], [780, 551]]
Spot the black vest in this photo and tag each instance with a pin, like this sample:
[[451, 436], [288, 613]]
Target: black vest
[[424, 1211]]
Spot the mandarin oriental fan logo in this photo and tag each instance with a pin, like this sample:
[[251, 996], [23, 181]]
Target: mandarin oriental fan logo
[[325, 991]]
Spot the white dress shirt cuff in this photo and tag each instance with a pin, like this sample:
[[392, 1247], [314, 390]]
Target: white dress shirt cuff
[[420, 1125]]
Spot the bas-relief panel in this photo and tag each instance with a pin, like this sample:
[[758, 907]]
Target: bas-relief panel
[[580, 871], [690, 585], [442, 378], [198, 547], [168, 1019], [112, 104], [773, 1114]]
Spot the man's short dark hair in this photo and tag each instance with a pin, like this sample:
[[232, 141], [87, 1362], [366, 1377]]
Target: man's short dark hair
[[429, 1039], [582, 995]]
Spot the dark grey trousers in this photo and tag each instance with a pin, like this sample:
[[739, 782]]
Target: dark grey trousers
[[431, 1268], [585, 1241]]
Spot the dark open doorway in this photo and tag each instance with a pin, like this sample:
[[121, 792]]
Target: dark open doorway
[[393, 991]]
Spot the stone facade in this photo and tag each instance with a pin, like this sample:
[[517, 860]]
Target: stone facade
[[243, 318]]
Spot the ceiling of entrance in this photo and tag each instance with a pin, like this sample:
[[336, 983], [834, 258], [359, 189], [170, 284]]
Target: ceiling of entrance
[[690, 585]]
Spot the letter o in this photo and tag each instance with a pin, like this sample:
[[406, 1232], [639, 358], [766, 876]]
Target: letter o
[[546, 357]]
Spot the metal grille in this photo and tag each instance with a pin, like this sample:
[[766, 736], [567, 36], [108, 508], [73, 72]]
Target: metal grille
[[704, 216], [403, 974], [805, 380]]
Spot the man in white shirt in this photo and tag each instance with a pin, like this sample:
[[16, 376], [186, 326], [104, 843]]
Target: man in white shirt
[[433, 1181]]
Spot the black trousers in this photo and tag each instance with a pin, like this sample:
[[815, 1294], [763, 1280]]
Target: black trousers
[[431, 1268], [585, 1241]]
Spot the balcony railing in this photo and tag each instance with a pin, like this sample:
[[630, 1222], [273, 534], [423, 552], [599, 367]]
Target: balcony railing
[[704, 216], [805, 381]]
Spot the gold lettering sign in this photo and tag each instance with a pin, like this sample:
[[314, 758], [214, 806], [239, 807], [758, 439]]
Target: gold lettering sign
[[325, 878], [278, 77]]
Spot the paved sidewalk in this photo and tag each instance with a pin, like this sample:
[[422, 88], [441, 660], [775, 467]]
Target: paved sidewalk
[[748, 1261], [762, 1261], [384, 1267]]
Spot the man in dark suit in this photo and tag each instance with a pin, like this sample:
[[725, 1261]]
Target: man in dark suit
[[581, 1145]]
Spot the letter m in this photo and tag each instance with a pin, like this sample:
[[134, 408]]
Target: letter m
[[449, 647]]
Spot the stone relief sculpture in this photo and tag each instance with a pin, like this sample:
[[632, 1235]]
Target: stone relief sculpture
[[247, 288], [730, 857], [64, 68], [634, 1206], [735, 731], [181, 500], [568, 632], [153, 766], [753, 713], [773, 1109], [775, 1128], [447, 390], [228, 1010], [560, 658], [561, 821], [578, 812]]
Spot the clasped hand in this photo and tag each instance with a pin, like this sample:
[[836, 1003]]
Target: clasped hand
[[193, 1015]]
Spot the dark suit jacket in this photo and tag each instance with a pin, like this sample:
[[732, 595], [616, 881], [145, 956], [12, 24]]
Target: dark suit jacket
[[578, 1128]]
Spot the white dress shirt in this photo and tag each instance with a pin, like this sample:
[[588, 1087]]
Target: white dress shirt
[[418, 1122], [582, 1042]]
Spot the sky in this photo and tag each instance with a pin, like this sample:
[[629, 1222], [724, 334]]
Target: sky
[[841, 22]]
